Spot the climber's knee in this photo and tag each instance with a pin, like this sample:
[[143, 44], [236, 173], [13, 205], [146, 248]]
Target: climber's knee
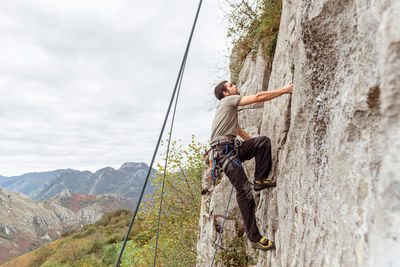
[[264, 141], [244, 192]]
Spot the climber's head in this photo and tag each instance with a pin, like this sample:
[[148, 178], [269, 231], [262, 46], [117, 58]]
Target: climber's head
[[225, 88]]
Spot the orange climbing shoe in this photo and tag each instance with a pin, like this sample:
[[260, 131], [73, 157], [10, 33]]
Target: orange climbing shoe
[[260, 185], [264, 244]]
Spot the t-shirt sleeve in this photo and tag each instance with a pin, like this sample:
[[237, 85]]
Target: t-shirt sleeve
[[233, 100]]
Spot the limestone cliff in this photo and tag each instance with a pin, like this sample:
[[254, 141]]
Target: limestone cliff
[[335, 141]]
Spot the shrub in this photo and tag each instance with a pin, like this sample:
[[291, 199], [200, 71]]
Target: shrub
[[88, 232], [40, 256], [51, 264], [76, 235], [114, 239], [72, 252], [94, 246], [109, 255], [252, 24], [114, 217], [234, 253], [68, 232]]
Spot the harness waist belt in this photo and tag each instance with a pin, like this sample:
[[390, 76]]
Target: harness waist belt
[[222, 140]]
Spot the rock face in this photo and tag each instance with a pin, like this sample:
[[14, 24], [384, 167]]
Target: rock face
[[26, 224], [335, 141]]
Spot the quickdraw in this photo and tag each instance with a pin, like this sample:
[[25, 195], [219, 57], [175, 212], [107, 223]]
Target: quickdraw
[[215, 169]]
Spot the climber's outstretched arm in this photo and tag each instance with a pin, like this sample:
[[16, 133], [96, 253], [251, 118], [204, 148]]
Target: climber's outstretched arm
[[243, 134], [265, 95]]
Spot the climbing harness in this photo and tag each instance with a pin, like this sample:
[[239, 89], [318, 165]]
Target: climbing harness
[[161, 133], [223, 150]]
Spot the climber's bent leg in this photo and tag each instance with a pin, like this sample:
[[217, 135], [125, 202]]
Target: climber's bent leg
[[260, 148], [244, 197]]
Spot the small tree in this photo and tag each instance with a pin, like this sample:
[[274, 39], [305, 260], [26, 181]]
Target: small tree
[[180, 209]]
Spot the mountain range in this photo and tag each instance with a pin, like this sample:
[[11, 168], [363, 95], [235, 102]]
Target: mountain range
[[127, 181]]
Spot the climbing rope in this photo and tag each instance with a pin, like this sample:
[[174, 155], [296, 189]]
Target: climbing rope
[[222, 228], [160, 136], [166, 163]]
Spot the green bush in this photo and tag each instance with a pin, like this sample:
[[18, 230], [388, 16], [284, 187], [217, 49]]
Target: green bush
[[114, 239], [88, 232], [71, 254], [6, 236], [40, 256], [251, 25], [52, 264], [76, 235], [94, 246], [234, 253], [109, 255], [61, 244], [114, 217], [68, 232]]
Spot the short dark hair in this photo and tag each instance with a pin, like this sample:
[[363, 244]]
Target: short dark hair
[[220, 89]]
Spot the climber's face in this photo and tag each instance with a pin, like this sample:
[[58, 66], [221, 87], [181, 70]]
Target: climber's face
[[231, 89]]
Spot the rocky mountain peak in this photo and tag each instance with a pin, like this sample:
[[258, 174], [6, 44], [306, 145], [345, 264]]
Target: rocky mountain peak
[[136, 165], [104, 170], [66, 194]]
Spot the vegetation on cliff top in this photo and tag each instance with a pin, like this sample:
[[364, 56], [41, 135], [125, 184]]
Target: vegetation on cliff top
[[251, 25]]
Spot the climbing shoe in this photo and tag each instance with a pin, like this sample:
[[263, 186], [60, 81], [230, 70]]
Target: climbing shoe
[[260, 185], [264, 244]]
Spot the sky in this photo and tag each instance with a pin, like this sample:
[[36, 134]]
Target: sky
[[86, 84]]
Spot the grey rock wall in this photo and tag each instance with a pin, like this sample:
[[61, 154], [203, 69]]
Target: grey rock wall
[[336, 140]]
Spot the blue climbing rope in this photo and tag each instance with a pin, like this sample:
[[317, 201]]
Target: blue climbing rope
[[222, 228], [161, 133]]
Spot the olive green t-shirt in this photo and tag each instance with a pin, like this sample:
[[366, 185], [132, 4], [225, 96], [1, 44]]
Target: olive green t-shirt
[[225, 122]]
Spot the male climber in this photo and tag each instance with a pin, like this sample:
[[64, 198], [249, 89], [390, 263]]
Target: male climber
[[230, 154]]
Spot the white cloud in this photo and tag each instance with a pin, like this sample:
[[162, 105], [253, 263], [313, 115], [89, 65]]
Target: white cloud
[[86, 84]]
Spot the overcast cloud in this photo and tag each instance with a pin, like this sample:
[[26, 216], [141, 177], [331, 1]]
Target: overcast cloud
[[86, 84]]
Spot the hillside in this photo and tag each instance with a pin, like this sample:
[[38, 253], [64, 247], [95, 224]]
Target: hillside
[[26, 224], [93, 245]]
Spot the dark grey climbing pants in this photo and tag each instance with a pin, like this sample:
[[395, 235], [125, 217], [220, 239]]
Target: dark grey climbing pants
[[260, 148]]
